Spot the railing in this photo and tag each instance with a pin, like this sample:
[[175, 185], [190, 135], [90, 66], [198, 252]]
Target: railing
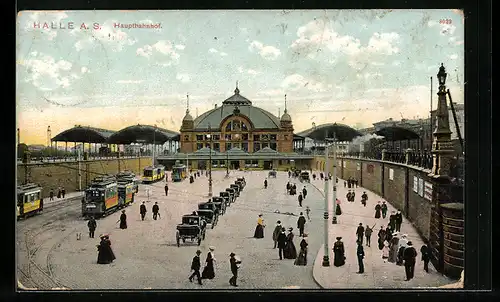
[[414, 158]]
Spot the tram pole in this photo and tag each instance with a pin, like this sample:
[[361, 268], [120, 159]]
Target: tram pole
[[326, 256], [79, 172], [210, 163], [334, 215]]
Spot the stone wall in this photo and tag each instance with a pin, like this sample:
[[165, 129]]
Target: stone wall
[[396, 186], [53, 175]]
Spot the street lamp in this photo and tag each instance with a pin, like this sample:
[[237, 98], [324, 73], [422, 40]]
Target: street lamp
[[326, 257], [334, 217], [209, 136]]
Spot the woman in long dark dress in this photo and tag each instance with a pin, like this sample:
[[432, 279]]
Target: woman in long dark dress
[[338, 210], [259, 229], [105, 255], [381, 238], [123, 220], [378, 208], [302, 258], [290, 252], [338, 253], [209, 271]]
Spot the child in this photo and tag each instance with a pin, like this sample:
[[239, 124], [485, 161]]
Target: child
[[385, 251]]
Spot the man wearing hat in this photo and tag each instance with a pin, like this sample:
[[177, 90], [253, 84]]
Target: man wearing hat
[[166, 189], [392, 220], [276, 233], [410, 255], [360, 232], [123, 220], [281, 239], [403, 243], [301, 222], [156, 209], [92, 225], [338, 253], [195, 266], [304, 192], [143, 210], [361, 254], [398, 221], [364, 198], [384, 209], [234, 268]]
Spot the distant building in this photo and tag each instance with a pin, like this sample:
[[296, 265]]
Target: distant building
[[34, 148]]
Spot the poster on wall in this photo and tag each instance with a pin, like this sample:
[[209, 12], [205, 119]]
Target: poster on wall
[[391, 174], [358, 166], [428, 191], [415, 184], [421, 187]]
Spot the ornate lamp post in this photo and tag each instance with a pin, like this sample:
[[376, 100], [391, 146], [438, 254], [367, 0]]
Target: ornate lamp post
[[210, 162], [326, 255]]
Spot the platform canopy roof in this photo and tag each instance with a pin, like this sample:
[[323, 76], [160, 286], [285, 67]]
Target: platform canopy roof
[[324, 132], [143, 134], [83, 134], [395, 133]]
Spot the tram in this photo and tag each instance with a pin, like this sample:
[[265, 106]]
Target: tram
[[101, 197], [153, 174], [29, 200], [129, 176], [126, 192], [179, 172]]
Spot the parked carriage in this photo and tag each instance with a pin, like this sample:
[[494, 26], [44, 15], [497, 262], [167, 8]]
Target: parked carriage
[[304, 177], [236, 189], [232, 193], [242, 179], [193, 227], [220, 203], [227, 197], [240, 184], [210, 212]]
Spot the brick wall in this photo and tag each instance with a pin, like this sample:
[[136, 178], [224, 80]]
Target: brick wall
[[53, 175], [419, 208], [394, 189], [371, 175]]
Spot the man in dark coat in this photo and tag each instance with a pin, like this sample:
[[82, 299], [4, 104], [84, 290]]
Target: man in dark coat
[[166, 189], [398, 221], [426, 256], [364, 198], [51, 194], [92, 224], [288, 186], [281, 242], [383, 208], [348, 196], [300, 199], [360, 232], [123, 220], [276, 233], [368, 234], [234, 269], [304, 192], [301, 222], [410, 255], [338, 253], [265, 183], [156, 209], [381, 238], [63, 192], [353, 196], [361, 254], [143, 210], [392, 220], [195, 266], [356, 182]]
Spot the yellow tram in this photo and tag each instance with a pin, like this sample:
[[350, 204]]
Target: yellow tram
[[29, 200], [179, 172], [153, 174]]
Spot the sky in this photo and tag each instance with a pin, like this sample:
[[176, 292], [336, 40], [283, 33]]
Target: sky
[[356, 67]]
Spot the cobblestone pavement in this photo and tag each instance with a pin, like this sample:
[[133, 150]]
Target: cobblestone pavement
[[377, 273], [147, 255]]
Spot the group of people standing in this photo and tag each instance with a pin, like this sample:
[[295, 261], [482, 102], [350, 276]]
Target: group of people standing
[[351, 183], [61, 193], [209, 269]]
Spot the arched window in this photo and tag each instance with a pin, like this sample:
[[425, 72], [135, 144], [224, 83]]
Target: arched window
[[228, 126]]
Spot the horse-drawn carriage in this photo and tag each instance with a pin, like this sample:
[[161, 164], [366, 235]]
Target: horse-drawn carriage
[[242, 179], [209, 211], [272, 174], [193, 227], [227, 197], [236, 189], [232, 193], [220, 203], [240, 184], [304, 177], [296, 173]]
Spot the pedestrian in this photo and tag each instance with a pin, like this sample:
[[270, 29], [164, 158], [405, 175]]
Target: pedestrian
[[360, 232], [338, 253], [304, 192], [290, 252], [308, 210], [377, 210], [384, 209], [348, 196], [209, 270], [281, 242], [368, 234], [234, 268], [314, 176], [105, 254], [388, 233], [381, 238], [92, 224], [123, 220], [321, 175], [398, 221], [385, 251], [166, 189], [143, 210], [288, 186], [302, 258], [403, 243], [356, 182], [300, 199], [364, 198], [59, 192], [392, 220], [353, 196], [63, 192], [338, 210], [409, 256], [294, 189], [393, 248], [259, 229], [426, 256], [289, 173], [301, 222], [265, 183], [195, 267], [345, 184], [276, 233], [51, 194], [361, 254], [155, 210]]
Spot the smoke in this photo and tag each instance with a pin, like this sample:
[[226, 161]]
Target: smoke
[[365, 138]]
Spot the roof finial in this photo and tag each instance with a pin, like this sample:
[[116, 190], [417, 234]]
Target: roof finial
[[236, 91], [285, 105], [187, 103]]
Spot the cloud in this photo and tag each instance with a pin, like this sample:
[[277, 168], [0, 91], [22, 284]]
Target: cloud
[[106, 36], [383, 43], [213, 50], [453, 56], [162, 48], [248, 71], [180, 46], [267, 52], [184, 78], [297, 82], [84, 69], [129, 81], [47, 74]]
